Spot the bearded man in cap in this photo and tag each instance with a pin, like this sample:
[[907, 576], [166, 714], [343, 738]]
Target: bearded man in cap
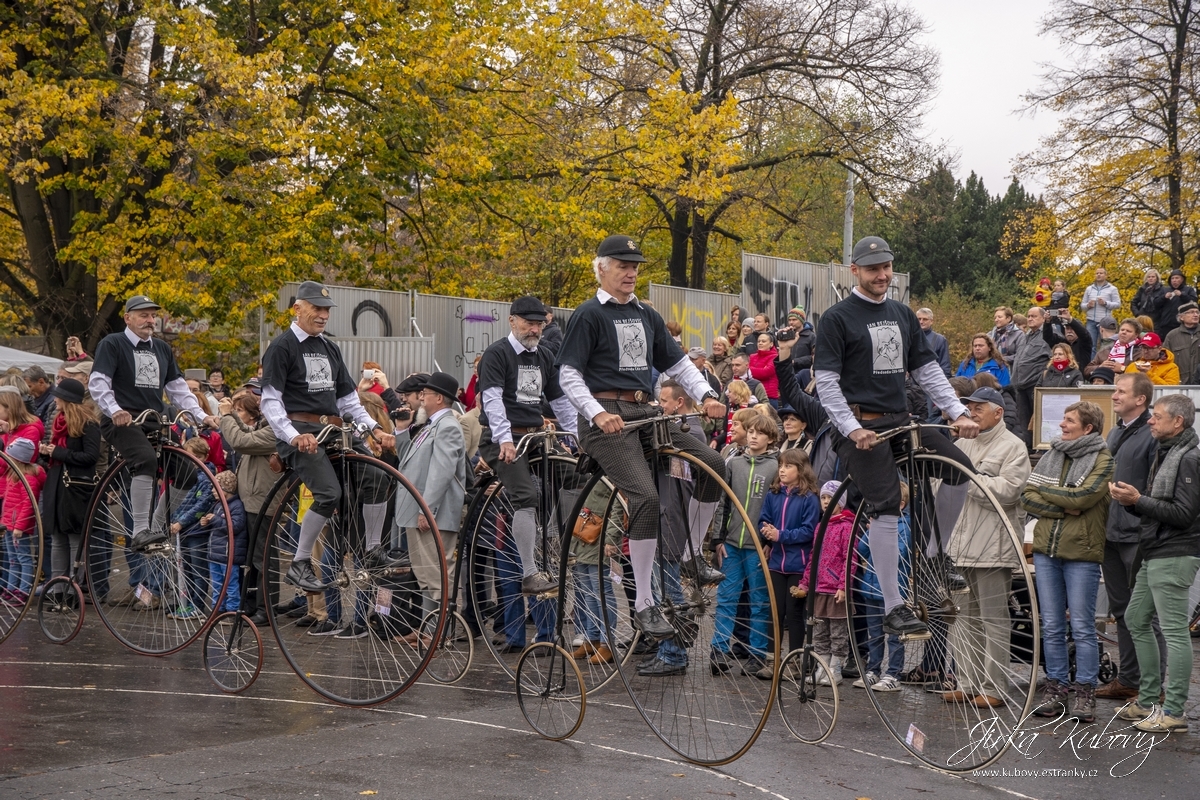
[[129, 375], [612, 344], [866, 345], [434, 460], [306, 386]]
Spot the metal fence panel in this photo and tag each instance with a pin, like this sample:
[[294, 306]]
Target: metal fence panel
[[774, 286], [398, 355], [702, 315], [370, 313], [463, 328]]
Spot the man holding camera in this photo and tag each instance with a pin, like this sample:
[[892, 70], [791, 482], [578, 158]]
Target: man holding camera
[[1027, 365]]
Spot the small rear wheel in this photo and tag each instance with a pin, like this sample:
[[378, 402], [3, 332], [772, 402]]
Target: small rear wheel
[[809, 710], [233, 652], [550, 690], [60, 609], [452, 654]]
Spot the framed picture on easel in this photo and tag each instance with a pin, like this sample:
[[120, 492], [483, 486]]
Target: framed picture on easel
[[1049, 406]]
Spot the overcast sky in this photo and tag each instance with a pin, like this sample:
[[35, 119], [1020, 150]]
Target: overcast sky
[[990, 56]]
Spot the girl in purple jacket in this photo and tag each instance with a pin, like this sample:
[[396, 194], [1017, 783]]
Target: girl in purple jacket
[[790, 513]]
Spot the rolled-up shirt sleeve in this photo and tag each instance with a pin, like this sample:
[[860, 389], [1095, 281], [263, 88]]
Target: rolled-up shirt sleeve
[[497, 417], [183, 398], [351, 403], [565, 413], [576, 390], [276, 415], [838, 408], [100, 388], [691, 379], [931, 379]]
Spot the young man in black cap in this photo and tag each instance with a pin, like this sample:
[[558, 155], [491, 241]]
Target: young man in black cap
[[307, 386], [865, 346], [612, 342], [129, 375], [515, 374]]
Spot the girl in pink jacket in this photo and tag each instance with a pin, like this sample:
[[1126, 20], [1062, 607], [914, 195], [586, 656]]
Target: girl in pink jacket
[[831, 635], [18, 519]]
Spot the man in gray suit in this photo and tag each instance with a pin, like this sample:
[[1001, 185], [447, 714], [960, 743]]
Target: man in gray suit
[[435, 462]]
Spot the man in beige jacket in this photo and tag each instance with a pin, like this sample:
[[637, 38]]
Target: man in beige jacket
[[983, 553]]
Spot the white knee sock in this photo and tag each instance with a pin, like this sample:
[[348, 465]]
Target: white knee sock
[[524, 529], [310, 529], [141, 490], [885, 555], [700, 515], [950, 501], [373, 517], [641, 557]]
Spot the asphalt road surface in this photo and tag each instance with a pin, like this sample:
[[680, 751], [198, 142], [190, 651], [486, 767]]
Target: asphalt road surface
[[91, 720]]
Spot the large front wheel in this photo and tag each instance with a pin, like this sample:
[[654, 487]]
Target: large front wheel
[[963, 690], [159, 601], [707, 691], [359, 641]]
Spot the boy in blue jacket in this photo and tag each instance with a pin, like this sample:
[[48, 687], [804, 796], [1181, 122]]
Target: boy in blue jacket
[[218, 543]]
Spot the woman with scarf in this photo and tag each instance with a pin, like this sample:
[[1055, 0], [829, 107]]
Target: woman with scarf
[[73, 450], [1068, 494], [1062, 369]]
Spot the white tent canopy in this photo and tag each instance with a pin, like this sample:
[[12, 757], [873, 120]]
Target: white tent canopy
[[11, 357]]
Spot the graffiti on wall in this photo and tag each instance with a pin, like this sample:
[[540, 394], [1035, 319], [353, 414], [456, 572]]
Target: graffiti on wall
[[775, 297], [699, 325], [479, 330]]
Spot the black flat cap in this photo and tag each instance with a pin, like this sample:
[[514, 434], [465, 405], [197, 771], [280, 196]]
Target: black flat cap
[[620, 247], [316, 294]]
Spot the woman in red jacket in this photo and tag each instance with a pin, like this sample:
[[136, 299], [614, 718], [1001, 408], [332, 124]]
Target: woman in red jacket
[[762, 366], [15, 420]]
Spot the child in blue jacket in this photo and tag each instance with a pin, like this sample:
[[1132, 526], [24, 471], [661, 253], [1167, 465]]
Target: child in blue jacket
[[789, 518], [218, 543]]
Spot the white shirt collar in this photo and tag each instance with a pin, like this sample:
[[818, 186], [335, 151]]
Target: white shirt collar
[[517, 347], [856, 291], [438, 415], [301, 335], [605, 297], [133, 338]]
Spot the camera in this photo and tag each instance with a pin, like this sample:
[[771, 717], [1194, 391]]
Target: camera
[[786, 334], [400, 415]]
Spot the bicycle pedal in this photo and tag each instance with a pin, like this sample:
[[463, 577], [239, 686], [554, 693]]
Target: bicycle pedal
[[915, 637], [550, 595]]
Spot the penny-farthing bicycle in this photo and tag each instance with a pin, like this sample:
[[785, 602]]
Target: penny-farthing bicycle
[[981, 632], [15, 566], [159, 600], [712, 709], [382, 596], [494, 569]]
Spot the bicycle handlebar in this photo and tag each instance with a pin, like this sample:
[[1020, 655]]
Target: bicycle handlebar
[[913, 426], [163, 418], [543, 435]]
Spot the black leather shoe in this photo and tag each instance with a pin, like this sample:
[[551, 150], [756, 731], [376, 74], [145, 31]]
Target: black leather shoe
[[300, 574], [260, 618], [380, 558], [720, 663], [652, 624], [903, 622], [954, 581], [699, 570], [661, 669], [147, 538], [288, 605]]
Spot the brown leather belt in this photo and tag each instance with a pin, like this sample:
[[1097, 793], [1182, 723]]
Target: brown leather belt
[[861, 415], [315, 419], [624, 395], [519, 429]]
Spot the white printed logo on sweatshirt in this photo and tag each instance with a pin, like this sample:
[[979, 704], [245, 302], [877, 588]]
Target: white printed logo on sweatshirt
[[145, 370], [631, 339], [319, 373], [887, 348], [529, 385]]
